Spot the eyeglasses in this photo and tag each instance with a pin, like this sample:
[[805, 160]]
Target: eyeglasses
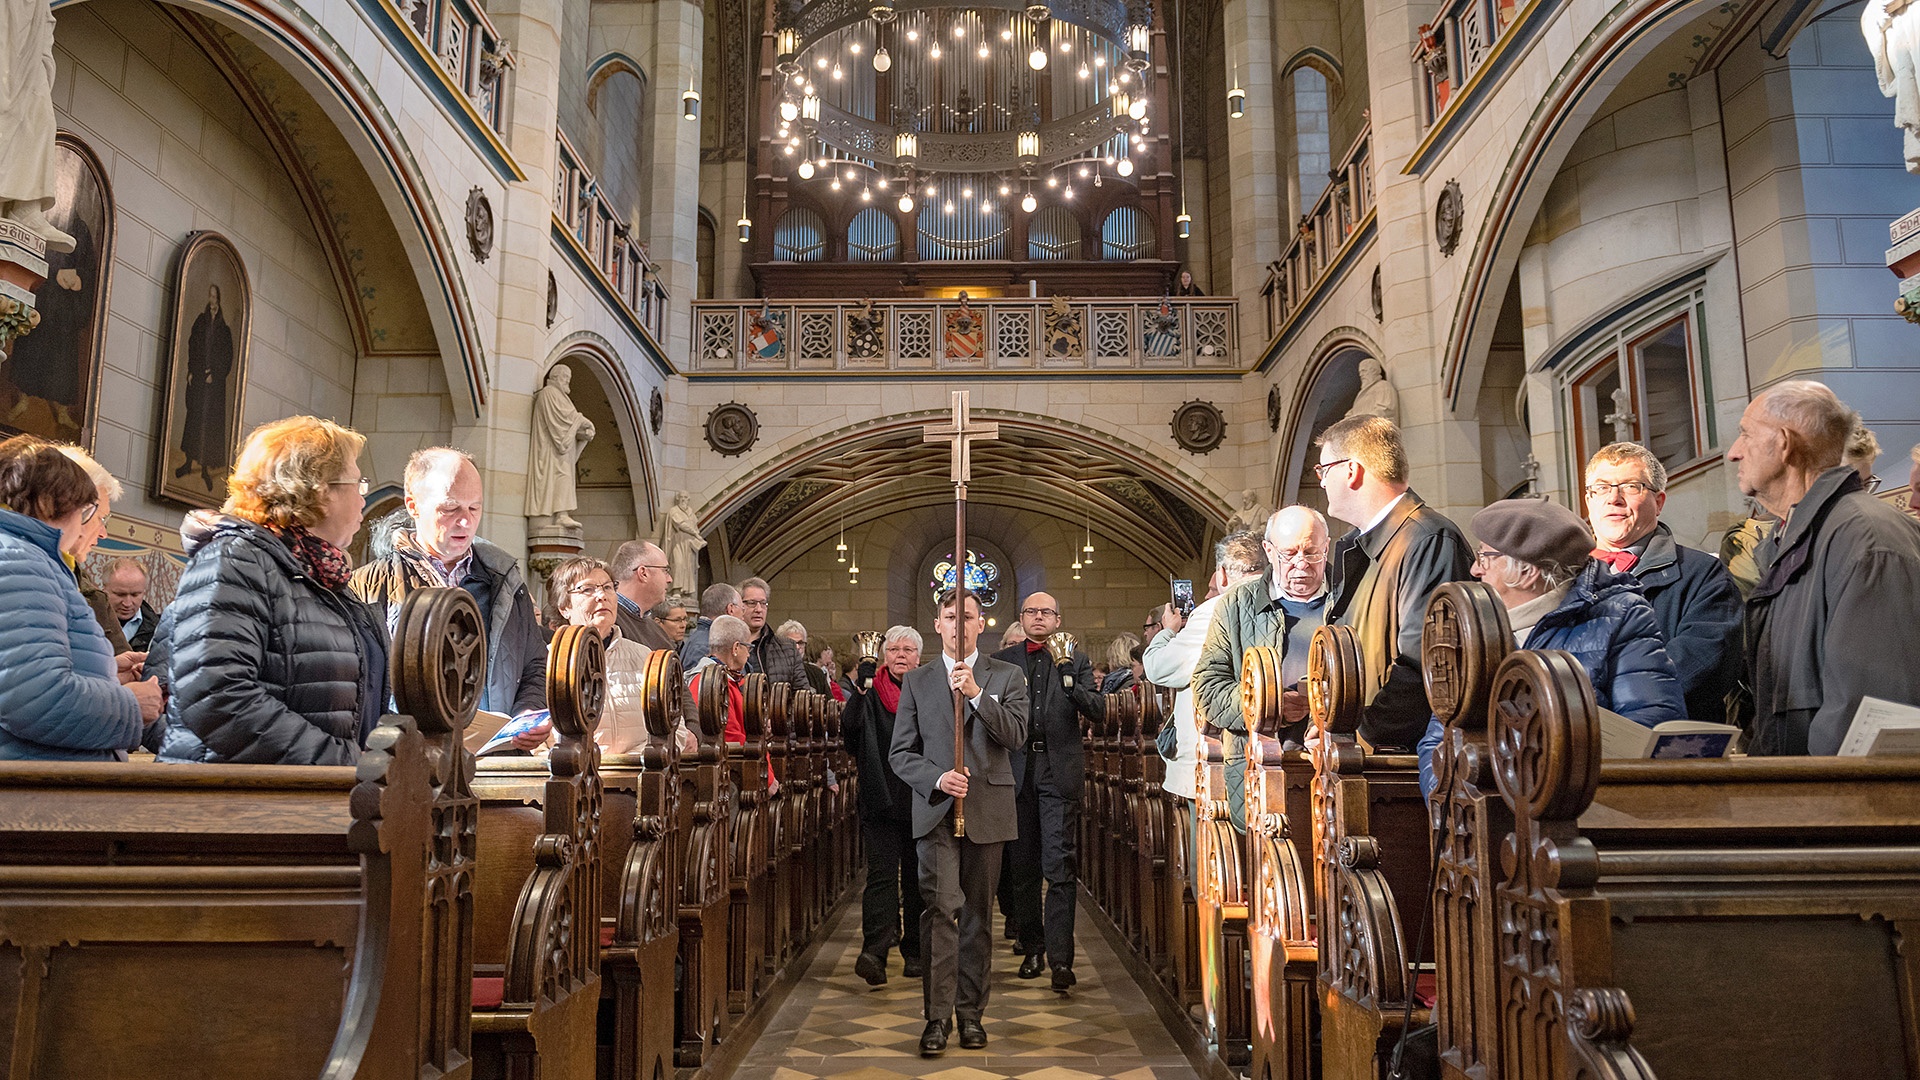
[[1039, 611], [1600, 489], [1872, 484], [753, 603], [87, 512], [1301, 556], [674, 618], [592, 590], [650, 566], [365, 485], [1484, 555], [1323, 468]]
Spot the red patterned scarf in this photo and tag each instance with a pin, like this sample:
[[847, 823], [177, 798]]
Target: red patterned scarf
[[888, 690], [326, 563]]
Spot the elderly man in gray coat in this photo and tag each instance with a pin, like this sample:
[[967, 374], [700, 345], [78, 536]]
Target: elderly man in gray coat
[[1840, 587], [958, 874]]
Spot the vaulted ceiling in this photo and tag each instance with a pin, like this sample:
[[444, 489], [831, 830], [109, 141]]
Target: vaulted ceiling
[[1028, 470]]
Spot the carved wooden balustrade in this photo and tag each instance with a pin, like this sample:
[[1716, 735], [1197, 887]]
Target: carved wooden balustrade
[[603, 240], [537, 889], [1320, 242]]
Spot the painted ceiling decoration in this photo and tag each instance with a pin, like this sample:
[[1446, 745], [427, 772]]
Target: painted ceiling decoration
[[376, 276]]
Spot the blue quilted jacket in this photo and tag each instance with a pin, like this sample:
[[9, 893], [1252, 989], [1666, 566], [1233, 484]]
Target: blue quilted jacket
[[59, 697], [1607, 624]]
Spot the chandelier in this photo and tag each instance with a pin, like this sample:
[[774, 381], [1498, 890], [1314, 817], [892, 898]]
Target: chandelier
[[997, 96]]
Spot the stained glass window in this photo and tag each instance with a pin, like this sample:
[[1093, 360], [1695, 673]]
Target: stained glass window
[[983, 578]]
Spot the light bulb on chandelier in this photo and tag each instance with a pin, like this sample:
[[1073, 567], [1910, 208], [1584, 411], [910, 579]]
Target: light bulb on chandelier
[[1125, 168], [1037, 59], [881, 61], [1006, 34], [806, 170], [836, 184], [1084, 73], [1138, 109], [854, 48], [789, 110], [933, 51], [1029, 203], [1005, 190], [906, 204], [948, 207], [983, 52]]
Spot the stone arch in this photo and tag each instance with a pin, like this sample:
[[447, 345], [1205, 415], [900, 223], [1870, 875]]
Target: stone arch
[[1320, 60], [1604, 59], [299, 42], [1116, 463], [1328, 383], [589, 351]]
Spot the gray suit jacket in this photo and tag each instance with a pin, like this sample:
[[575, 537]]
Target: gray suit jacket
[[923, 746]]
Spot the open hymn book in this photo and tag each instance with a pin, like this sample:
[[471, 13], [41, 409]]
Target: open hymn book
[[1882, 727], [1624, 738]]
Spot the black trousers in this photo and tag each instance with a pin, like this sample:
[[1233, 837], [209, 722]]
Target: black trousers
[[893, 883], [1046, 850]]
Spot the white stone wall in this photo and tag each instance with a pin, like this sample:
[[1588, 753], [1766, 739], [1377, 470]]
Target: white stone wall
[[182, 153]]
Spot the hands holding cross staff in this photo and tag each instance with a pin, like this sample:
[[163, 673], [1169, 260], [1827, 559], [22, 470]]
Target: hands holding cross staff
[[960, 431]]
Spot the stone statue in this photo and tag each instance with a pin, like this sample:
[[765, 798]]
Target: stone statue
[[26, 115], [1892, 30], [1252, 515], [559, 433], [1377, 397], [680, 538], [1621, 417]]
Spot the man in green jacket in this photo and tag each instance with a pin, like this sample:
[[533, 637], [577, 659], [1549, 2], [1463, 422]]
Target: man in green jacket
[[1280, 609]]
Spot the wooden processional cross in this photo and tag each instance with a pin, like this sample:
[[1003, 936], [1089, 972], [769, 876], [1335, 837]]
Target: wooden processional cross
[[960, 431]]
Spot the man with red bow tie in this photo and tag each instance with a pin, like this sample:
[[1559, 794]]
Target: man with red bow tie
[[1693, 596]]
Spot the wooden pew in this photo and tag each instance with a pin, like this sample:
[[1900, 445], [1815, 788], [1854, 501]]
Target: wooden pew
[[1280, 913], [640, 902], [1371, 861], [747, 968], [1222, 907], [1726, 917], [1154, 869], [537, 887], [706, 798], [776, 907], [253, 920]]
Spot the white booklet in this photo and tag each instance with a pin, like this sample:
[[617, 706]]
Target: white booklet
[[1882, 727], [1624, 738]]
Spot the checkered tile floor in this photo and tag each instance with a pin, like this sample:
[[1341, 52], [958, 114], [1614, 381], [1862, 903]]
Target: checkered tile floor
[[835, 1025]]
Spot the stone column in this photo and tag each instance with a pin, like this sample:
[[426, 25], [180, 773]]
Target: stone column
[[1253, 164], [524, 251]]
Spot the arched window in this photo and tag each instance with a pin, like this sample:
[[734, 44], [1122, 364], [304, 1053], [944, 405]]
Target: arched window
[[873, 236], [617, 100], [1053, 233], [1312, 141], [800, 236], [703, 254], [1127, 234]]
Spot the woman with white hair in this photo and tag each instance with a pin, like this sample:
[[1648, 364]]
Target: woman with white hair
[[886, 810], [1537, 558], [83, 544]]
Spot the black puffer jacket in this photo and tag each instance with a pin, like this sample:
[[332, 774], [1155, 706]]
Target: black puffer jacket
[[262, 664]]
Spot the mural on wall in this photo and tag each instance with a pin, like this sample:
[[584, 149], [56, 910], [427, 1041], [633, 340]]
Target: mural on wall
[[49, 378], [205, 369]]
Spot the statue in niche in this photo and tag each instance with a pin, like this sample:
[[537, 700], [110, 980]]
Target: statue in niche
[[680, 538], [1377, 397], [1892, 30], [866, 332], [28, 168], [1621, 417], [559, 433], [1252, 515], [1064, 336]]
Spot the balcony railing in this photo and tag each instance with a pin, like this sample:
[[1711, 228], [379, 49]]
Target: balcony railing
[[620, 261], [1322, 235], [1455, 46], [1121, 334], [462, 40]]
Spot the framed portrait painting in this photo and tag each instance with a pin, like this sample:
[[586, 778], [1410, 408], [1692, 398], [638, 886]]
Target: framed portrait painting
[[50, 378], [206, 368]]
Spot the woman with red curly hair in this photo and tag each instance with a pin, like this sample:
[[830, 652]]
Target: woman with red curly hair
[[266, 656]]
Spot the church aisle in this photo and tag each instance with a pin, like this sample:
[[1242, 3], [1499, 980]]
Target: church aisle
[[835, 1025]]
